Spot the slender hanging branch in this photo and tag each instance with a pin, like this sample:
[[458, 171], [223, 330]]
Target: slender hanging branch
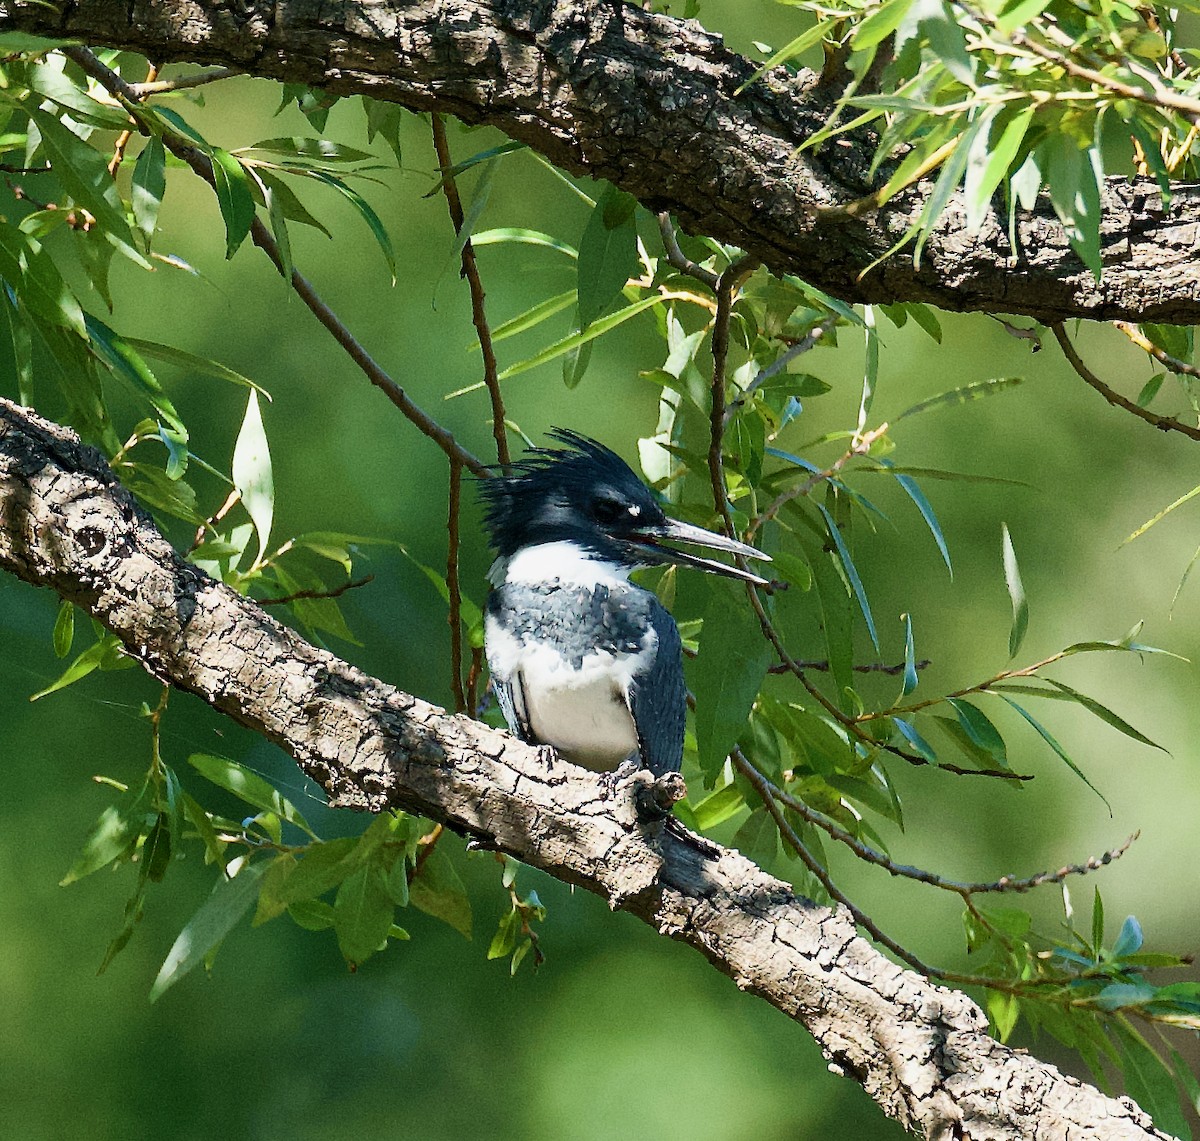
[[470, 270], [261, 236]]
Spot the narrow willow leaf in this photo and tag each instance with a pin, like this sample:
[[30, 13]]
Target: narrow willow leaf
[[851, 573], [718, 807], [608, 254], [249, 787], [83, 172], [278, 220], [560, 348], [438, 890], [83, 665], [112, 835], [189, 362], [1016, 592], [148, 187], [252, 474], [368, 215], [126, 362], [317, 150], [1046, 736], [1105, 714], [530, 318], [910, 664], [1149, 1081], [805, 40], [871, 368], [914, 492], [726, 674], [880, 24], [962, 395], [22, 343], [1150, 390], [362, 914], [837, 619], [505, 234], [980, 730], [1162, 514], [277, 190], [64, 629], [234, 198], [922, 747], [1097, 923], [230, 900], [981, 183]]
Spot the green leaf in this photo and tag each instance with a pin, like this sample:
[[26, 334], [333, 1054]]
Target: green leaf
[[277, 216], [438, 890], [1164, 512], [1003, 1011], [275, 190], [271, 902], [323, 866], [362, 913], [64, 629], [504, 234], [252, 473], [1016, 592], [718, 807], [923, 505], [1105, 714], [758, 838], [880, 23], [1097, 923], [805, 40], [1130, 938], [1049, 739], [83, 172], [980, 730], [608, 254], [726, 674], [1150, 390], [911, 679], [909, 732], [125, 361], [148, 186], [316, 150], [234, 197], [851, 573], [84, 664], [32, 278], [1149, 1082], [368, 215], [983, 177], [961, 395], [230, 900], [22, 343], [249, 787], [191, 363], [837, 619], [505, 938], [1073, 177], [559, 348], [531, 317], [311, 914], [114, 834]]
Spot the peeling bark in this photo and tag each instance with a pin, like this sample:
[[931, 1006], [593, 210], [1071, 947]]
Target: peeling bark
[[920, 1050], [651, 103]]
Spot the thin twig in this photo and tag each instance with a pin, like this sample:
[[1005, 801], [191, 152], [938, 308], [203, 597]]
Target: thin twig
[[202, 166], [470, 270], [182, 82], [780, 363], [680, 260], [332, 592], [823, 666], [474, 673], [1163, 423], [123, 138], [454, 615], [1173, 364]]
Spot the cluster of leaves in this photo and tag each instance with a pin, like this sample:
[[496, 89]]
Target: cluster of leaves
[[1017, 96], [1088, 996]]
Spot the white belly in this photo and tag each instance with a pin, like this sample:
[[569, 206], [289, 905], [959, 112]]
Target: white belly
[[583, 711]]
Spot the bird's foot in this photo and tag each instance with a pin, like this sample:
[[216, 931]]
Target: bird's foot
[[611, 780], [546, 755]]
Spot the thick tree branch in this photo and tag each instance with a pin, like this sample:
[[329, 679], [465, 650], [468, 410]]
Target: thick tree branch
[[921, 1051], [652, 103]]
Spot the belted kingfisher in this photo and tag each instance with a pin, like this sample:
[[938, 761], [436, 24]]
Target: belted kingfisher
[[581, 658]]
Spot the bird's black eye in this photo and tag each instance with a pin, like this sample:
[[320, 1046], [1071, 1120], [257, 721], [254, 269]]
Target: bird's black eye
[[606, 510]]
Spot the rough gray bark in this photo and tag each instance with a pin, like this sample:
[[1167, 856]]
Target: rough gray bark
[[650, 103], [920, 1050]]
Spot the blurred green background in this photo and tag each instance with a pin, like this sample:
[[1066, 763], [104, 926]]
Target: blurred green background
[[621, 1034]]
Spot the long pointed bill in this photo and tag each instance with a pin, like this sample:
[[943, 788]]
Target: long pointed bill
[[677, 532]]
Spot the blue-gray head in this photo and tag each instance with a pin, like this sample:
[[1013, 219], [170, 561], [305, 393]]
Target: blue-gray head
[[585, 494]]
